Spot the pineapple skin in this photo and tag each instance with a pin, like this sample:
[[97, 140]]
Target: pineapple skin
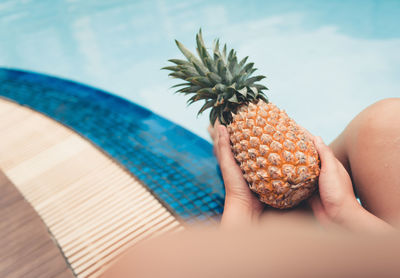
[[278, 160]]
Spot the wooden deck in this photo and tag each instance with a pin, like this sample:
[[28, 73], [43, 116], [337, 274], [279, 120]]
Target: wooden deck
[[26, 247], [94, 209]]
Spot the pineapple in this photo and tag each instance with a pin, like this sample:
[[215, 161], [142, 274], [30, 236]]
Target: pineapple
[[278, 159]]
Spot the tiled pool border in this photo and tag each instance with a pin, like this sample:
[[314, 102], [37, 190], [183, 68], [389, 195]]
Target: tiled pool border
[[177, 166]]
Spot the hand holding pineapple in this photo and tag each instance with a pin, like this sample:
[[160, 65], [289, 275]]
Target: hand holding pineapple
[[241, 205], [336, 200], [334, 205]]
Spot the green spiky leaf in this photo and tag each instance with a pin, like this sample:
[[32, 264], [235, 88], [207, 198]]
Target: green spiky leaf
[[179, 62], [214, 78], [180, 85], [208, 104], [217, 78]]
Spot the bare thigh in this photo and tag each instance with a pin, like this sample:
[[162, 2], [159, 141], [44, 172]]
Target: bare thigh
[[369, 148]]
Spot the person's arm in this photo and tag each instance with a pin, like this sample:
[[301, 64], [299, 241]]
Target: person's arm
[[279, 247]]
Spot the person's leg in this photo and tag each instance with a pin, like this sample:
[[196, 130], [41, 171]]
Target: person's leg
[[370, 149]]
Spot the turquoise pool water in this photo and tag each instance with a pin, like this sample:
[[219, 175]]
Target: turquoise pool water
[[325, 60]]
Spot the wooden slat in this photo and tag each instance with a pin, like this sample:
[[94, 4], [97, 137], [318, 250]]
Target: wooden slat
[[26, 247], [94, 208]]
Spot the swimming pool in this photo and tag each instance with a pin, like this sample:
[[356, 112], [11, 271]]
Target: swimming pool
[[324, 61]]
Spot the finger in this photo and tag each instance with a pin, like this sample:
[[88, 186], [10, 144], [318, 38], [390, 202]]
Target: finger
[[215, 151], [216, 128], [328, 159], [216, 142], [212, 132], [224, 147], [229, 168], [316, 204], [319, 210], [216, 124]]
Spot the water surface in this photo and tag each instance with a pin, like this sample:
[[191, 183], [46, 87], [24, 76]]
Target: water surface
[[325, 60]]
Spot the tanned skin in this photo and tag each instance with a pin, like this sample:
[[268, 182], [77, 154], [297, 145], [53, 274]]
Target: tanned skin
[[341, 238]]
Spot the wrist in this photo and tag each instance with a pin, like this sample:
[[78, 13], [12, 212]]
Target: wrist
[[348, 212], [358, 219], [238, 212], [248, 205]]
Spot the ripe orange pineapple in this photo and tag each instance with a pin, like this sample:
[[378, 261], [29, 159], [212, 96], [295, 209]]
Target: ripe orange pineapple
[[278, 159]]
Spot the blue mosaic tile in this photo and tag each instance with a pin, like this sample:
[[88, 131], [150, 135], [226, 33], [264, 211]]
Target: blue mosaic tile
[[177, 166]]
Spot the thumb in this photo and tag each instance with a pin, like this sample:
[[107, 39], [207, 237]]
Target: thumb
[[230, 170], [319, 211], [328, 159]]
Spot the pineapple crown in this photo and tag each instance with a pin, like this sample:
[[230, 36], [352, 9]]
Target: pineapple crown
[[224, 83]]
